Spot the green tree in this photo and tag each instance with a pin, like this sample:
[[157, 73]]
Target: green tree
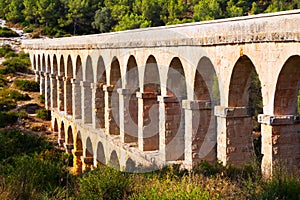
[[14, 13], [30, 11], [4, 7], [233, 10], [207, 10], [103, 20], [132, 21]]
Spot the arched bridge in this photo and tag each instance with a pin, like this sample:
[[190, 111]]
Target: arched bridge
[[177, 94]]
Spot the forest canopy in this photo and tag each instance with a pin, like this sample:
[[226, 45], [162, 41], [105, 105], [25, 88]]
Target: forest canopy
[[77, 17]]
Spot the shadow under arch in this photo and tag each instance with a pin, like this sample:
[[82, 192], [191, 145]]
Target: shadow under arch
[[54, 72], [100, 100], [77, 88], [55, 125], [89, 148], [34, 63], [130, 101], [244, 89], [150, 120], [68, 87], [78, 153], [286, 106], [130, 166], [174, 113], [61, 134], [204, 127], [113, 97], [87, 91], [114, 160], [60, 83], [101, 154]]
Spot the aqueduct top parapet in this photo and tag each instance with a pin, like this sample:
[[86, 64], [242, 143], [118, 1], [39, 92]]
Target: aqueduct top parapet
[[274, 27]]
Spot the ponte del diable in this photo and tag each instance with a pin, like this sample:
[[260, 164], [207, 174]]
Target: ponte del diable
[[141, 99]]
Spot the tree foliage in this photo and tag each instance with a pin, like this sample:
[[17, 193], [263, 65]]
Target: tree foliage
[[58, 17]]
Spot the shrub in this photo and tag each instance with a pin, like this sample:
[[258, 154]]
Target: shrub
[[7, 104], [42, 98], [14, 94], [26, 85], [104, 183], [28, 30], [5, 50], [3, 82], [44, 114], [17, 64], [8, 118], [10, 54], [6, 32]]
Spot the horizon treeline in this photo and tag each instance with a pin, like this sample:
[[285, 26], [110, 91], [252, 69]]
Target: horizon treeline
[[77, 17]]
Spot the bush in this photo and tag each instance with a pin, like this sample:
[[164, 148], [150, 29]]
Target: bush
[[8, 118], [3, 82], [7, 104], [28, 30], [17, 64], [104, 183], [6, 32], [5, 50], [10, 54], [26, 85], [44, 114], [42, 98], [14, 94]]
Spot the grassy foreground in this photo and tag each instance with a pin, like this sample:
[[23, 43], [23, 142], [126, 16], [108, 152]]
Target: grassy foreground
[[31, 168]]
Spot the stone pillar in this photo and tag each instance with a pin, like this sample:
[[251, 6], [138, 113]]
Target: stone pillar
[[200, 133], [171, 127], [42, 84], [69, 148], [148, 121], [53, 91], [86, 101], [47, 91], [68, 96], [97, 106], [234, 135], [60, 93], [128, 115], [111, 111], [280, 142], [77, 162], [37, 76], [76, 90], [87, 163]]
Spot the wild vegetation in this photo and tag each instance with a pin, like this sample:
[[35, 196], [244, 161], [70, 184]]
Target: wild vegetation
[[64, 17], [31, 168]]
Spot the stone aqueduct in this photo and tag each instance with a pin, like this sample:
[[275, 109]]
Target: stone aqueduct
[[177, 94]]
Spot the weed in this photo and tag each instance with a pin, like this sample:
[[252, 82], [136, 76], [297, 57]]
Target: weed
[[44, 114], [26, 85]]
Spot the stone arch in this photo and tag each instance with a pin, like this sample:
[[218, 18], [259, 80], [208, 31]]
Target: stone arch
[[114, 160], [89, 74], [113, 97], [100, 153], [99, 100], [89, 148], [70, 142], [284, 136], [130, 165], [61, 134], [55, 125], [54, 72], [60, 83], [78, 71], [34, 63], [77, 88], [61, 66], [68, 87], [39, 63], [285, 101], [55, 65], [240, 125], [48, 69], [130, 101], [174, 114], [78, 153], [150, 120], [87, 110], [204, 130], [69, 72], [70, 135], [43, 67]]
